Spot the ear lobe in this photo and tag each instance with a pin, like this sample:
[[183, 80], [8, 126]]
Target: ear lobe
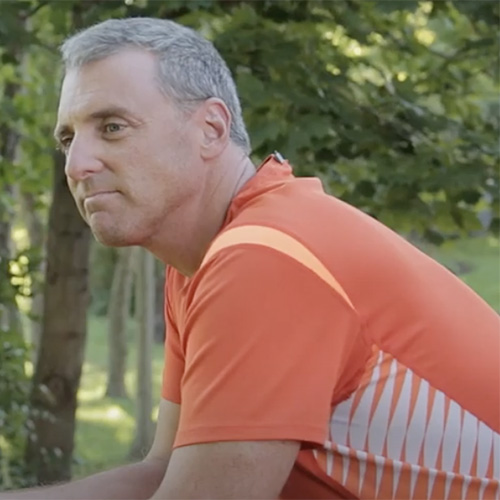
[[216, 124]]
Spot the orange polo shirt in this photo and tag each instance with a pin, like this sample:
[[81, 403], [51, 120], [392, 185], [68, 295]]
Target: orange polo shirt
[[311, 321]]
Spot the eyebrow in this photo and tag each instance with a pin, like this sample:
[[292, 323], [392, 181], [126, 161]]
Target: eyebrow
[[100, 114]]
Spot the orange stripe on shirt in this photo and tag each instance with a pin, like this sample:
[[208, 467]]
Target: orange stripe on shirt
[[280, 241]]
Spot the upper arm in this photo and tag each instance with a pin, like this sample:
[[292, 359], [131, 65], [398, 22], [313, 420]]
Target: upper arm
[[166, 428], [261, 334], [236, 469]]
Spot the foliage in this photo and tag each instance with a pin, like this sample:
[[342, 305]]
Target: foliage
[[397, 111], [14, 423], [393, 104]]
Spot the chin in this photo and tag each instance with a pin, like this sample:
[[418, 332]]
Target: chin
[[110, 236], [116, 236], [111, 240]]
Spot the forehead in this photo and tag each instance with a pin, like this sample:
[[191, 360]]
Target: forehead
[[126, 79]]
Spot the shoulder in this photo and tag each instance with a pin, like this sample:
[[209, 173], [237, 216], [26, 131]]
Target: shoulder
[[262, 254]]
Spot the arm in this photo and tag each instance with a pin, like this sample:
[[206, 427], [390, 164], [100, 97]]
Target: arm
[[237, 469], [260, 360], [135, 481]]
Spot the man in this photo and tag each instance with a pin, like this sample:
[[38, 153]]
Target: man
[[311, 352]]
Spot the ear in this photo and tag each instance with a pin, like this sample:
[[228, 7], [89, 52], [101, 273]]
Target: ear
[[215, 121]]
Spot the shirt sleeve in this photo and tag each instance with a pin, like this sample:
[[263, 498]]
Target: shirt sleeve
[[263, 348]]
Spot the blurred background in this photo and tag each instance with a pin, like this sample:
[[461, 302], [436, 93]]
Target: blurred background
[[393, 104]]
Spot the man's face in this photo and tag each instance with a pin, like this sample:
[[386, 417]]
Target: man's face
[[132, 159]]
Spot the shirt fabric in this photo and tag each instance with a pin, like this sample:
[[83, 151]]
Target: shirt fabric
[[381, 362]]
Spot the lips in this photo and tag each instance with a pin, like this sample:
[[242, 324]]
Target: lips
[[96, 195], [93, 202]]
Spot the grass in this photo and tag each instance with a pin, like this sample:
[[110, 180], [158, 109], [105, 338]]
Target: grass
[[106, 426], [476, 261]]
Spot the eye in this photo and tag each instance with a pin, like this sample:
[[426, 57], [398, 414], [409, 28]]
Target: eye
[[65, 142], [110, 128]]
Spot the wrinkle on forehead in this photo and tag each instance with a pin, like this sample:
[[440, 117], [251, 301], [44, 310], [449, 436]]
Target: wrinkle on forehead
[[126, 79]]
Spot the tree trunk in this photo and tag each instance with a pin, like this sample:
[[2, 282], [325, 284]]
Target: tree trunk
[[118, 315], [145, 304], [64, 328]]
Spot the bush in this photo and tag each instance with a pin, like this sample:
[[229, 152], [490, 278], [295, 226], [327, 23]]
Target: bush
[[14, 411]]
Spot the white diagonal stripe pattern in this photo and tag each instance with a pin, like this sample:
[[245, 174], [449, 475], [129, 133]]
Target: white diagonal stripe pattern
[[465, 486], [362, 470], [496, 456], [430, 483], [339, 423], [484, 483], [377, 431], [397, 431], [416, 428], [415, 470], [468, 440], [358, 428], [408, 436], [397, 466], [451, 439], [434, 432], [484, 445], [449, 478], [329, 463], [379, 471]]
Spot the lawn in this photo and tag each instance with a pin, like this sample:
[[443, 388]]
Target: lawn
[[476, 261], [106, 426]]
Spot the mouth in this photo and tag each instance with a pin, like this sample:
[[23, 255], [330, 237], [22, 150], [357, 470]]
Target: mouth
[[97, 195], [93, 201]]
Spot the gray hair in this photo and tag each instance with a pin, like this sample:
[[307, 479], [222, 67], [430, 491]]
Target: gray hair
[[190, 68]]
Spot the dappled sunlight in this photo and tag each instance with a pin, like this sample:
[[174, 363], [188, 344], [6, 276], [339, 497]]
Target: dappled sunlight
[[106, 413], [354, 49], [335, 35], [92, 386], [334, 70], [493, 242], [20, 236], [29, 368], [425, 36], [20, 277], [101, 444]]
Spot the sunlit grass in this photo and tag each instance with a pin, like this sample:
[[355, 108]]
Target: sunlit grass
[[105, 426]]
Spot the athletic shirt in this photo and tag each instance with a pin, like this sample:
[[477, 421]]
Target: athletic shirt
[[310, 321]]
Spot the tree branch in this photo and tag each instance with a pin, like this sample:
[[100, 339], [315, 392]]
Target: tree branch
[[25, 15]]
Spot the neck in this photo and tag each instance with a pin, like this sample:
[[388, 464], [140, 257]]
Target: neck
[[207, 215]]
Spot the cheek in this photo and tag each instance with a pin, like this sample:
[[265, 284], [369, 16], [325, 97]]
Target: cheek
[[73, 191], [71, 185]]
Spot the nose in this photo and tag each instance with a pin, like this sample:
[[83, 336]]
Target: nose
[[82, 160]]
